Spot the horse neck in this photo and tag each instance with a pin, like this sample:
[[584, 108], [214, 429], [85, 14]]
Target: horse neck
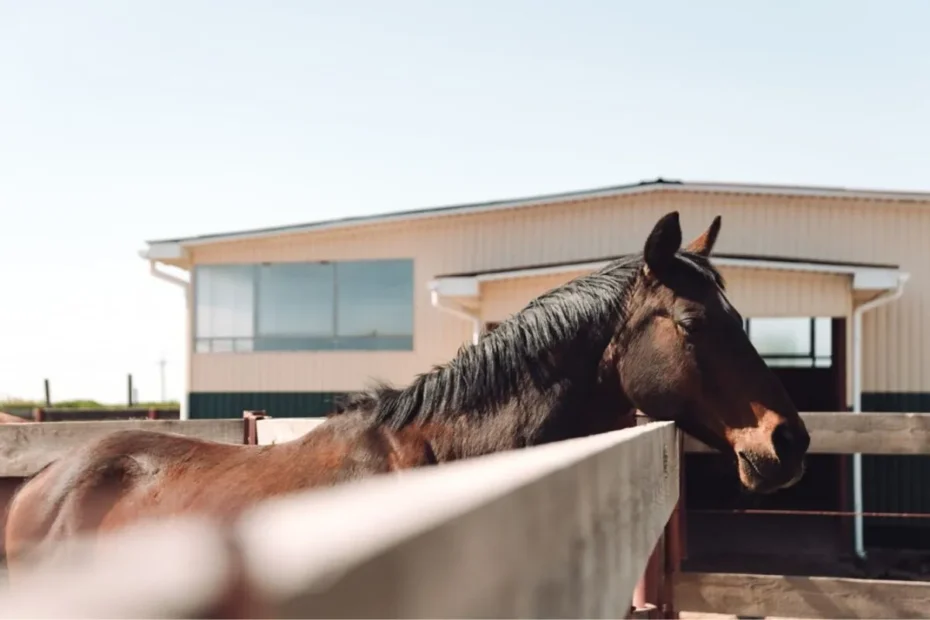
[[495, 396], [578, 406]]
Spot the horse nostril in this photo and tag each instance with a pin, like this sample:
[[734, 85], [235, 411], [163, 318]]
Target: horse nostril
[[790, 441]]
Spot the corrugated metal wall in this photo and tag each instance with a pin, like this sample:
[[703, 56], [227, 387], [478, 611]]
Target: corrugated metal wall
[[756, 292], [899, 483], [896, 340]]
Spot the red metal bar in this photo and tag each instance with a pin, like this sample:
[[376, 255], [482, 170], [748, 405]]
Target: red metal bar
[[38, 414], [844, 531], [646, 592], [654, 594], [672, 565], [673, 543], [153, 414], [682, 499], [816, 513]]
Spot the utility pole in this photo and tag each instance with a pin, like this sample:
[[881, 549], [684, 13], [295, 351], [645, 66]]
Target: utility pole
[[161, 364]]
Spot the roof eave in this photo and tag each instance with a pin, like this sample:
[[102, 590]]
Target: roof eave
[[863, 277], [163, 251], [564, 197]]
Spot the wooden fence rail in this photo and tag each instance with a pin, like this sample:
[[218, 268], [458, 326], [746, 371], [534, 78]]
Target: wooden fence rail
[[784, 596], [840, 432], [486, 580], [561, 530], [26, 448], [867, 433]]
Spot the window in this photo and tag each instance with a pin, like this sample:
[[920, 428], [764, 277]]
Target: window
[[353, 305], [801, 342], [374, 305], [225, 308], [295, 306]]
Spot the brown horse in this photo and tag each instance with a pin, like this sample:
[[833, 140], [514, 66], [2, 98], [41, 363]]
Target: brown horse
[[652, 332]]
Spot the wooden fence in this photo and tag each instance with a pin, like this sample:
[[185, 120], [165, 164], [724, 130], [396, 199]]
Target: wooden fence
[[558, 530], [561, 530]]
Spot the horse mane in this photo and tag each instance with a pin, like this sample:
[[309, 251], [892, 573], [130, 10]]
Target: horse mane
[[524, 351], [520, 353]]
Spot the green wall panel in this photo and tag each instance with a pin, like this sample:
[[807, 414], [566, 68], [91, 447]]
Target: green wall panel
[[898, 483], [205, 405]]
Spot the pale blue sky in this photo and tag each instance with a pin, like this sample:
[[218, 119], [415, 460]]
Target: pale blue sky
[[126, 121]]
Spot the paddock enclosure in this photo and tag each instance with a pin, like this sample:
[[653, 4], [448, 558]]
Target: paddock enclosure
[[832, 282], [591, 527]]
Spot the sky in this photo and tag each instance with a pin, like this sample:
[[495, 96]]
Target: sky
[[122, 122]]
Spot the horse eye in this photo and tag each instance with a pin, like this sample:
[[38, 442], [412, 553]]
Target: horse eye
[[690, 324]]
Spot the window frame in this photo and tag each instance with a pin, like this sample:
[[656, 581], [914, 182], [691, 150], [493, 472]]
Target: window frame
[[815, 361], [238, 345]]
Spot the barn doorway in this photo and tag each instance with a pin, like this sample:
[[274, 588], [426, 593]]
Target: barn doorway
[[808, 354]]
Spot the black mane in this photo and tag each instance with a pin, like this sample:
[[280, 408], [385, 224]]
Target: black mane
[[529, 350]]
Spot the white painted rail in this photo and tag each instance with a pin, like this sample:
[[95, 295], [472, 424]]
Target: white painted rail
[[278, 430], [562, 530]]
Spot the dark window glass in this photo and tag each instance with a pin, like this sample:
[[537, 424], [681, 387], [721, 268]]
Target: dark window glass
[[374, 305], [295, 306]]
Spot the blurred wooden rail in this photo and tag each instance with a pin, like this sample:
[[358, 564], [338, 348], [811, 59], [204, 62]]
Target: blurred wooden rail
[[394, 546], [561, 530]]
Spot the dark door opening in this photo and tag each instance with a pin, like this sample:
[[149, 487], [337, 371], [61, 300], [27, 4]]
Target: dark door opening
[[809, 358]]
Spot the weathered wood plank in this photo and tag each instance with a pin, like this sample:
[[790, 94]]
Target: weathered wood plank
[[26, 448], [562, 530], [800, 597], [279, 430], [847, 433], [172, 569]]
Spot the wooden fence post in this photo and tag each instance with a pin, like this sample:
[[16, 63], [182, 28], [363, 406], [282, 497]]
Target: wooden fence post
[[250, 432]]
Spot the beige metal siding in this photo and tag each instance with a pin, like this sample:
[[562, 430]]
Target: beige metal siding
[[768, 293], [501, 298], [755, 292], [896, 337]]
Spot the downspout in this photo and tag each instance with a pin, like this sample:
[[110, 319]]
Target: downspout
[[881, 300], [459, 312], [167, 277]]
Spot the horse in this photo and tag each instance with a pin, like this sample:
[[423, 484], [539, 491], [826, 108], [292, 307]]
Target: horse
[[9, 418], [653, 331]]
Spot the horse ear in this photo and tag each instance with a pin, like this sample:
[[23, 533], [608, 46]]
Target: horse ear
[[704, 244], [663, 242]]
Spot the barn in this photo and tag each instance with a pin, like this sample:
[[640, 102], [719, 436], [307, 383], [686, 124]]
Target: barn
[[831, 281]]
